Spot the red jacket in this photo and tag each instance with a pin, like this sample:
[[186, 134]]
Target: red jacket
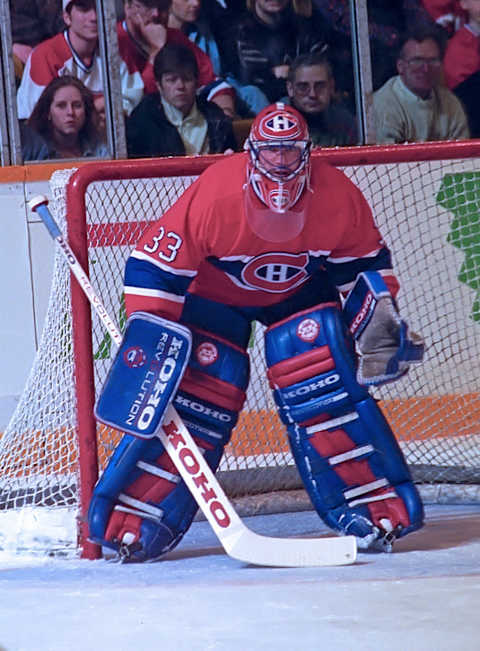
[[462, 57], [439, 9], [137, 61]]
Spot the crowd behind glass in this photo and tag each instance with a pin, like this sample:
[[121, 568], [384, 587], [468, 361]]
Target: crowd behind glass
[[193, 73]]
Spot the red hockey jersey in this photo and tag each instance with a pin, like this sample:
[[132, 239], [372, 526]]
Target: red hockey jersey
[[55, 57], [204, 245]]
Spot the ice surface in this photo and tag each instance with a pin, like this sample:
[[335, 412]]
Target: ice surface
[[424, 596]]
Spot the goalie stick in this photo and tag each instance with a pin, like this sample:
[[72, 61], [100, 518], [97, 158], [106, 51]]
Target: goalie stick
[[236, 538]]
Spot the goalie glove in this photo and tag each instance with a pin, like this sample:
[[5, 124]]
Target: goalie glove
[[384, 342]]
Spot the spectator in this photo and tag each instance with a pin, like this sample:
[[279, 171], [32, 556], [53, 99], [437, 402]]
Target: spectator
[[144, 32], [257, 50], [73, 52], [173, 121], [462, 64], [65, 117], [33, 21], [415, 105], [184, 15], [34, 146], [462, 57], [222, 13], [387, 21], [311, 90], [449, 14]]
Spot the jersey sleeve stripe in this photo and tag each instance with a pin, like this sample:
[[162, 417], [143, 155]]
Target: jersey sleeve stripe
[[140, 255], [168, 310], [154, 293], [142, 274], [371, 254], [344, 274]]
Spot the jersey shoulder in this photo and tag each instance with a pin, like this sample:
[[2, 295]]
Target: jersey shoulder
[[325, 175], [225, 177], [49, 56]]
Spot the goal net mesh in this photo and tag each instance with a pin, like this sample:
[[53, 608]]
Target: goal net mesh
[[429, 215]]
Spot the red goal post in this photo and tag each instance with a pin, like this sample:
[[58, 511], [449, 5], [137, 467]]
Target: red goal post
[[426, 200]]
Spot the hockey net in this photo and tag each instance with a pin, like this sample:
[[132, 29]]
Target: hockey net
[[426, 200]]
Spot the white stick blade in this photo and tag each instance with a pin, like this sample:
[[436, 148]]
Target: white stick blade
[[292, 552]]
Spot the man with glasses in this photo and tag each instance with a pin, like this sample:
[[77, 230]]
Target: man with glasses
[[311, 90], [257, 49], [415, 105]]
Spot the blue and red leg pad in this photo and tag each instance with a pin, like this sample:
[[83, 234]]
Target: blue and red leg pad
[[346, 453], [140, 507]]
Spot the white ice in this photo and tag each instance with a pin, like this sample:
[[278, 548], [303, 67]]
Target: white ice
[[424, 596]]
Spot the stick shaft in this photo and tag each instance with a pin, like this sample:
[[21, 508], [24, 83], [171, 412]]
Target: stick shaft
[[79, 273]]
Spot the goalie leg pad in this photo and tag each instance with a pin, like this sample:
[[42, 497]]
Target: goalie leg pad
[[346, 453], [141, 508]]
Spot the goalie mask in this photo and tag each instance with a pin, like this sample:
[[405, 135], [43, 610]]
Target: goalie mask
[[278, 172]]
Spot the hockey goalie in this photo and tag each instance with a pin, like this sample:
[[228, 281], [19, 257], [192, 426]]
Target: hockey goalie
[[274, 236]]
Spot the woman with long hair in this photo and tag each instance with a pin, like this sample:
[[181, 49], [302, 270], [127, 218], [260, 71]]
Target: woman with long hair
[[65, 117]]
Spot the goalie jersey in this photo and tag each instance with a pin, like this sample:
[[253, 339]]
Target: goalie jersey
[[204, 245]]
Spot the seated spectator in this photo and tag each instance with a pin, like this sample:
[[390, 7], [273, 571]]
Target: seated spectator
[[34, 146], [75, 52], [257, 50], [387, 21], [66, 119], [462, 63], [184, 15], [222, 13], [311, 90], [415, 105], [462, 56], [174, 121], [144, 32], [33, 21], [449, 14]]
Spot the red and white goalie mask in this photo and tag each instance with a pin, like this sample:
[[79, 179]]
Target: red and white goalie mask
[[278, 173]]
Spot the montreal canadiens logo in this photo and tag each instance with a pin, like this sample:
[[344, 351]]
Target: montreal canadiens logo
[[307, 330], [276, 272], [279, 125], [206, 353], [280, 198], [134, 357]]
